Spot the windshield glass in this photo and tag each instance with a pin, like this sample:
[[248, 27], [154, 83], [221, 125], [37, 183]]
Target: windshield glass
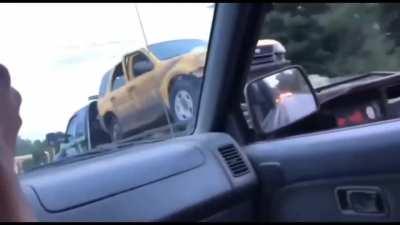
[[172, 49], [58, 56], [337, 41]]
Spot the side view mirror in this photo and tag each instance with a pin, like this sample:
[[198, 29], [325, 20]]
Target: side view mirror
[[142, 67], [279, 99], [67, 138], [55, 139]]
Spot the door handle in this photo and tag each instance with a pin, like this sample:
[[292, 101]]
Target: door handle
[[361, 200]]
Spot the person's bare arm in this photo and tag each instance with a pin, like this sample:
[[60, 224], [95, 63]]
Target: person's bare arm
[[13, 205]]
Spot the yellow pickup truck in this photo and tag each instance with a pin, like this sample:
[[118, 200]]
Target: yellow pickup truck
[[154, 86]]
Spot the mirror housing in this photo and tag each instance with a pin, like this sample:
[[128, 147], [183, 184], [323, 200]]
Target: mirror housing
[[142, 67], [55, 139], [139, 67], [279, 99]]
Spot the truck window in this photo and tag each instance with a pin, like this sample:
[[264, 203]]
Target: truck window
[[71, 128], [119, 79], [81, 124], [104, 84], [170, 49]]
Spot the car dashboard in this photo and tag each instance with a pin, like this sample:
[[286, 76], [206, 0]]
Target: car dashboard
[[205, 177], [356, 108], [356, 102], [371, 99]]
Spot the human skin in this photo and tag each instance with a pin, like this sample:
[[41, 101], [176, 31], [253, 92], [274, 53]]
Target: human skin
[[13, 205]]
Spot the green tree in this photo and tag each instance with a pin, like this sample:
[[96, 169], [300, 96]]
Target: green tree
[[23, 147], [35, 148], [337, 39], [295, 27]]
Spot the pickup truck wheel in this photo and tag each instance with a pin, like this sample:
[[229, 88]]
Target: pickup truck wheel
[[184, 100], [115, 129]]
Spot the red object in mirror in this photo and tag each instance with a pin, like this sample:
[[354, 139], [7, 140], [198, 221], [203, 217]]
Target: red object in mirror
[[356, 118], [341, 122]]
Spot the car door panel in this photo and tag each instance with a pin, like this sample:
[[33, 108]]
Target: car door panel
[[148, 101], [303, 172], [171, 187], [120, 103], [317, 200]]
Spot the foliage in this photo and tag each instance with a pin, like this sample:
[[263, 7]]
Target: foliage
[[337, 39], [26, 146], [35, 148]]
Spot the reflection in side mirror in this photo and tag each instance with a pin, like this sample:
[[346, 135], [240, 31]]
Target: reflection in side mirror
[[280, 99]]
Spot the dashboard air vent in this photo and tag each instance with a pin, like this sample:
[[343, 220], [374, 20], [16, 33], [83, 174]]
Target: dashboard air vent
[[234, 160]]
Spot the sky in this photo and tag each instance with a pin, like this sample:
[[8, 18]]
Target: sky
[[57, 53]]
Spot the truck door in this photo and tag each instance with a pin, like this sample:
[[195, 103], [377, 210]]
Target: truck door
[[144, 90], [119, 96]]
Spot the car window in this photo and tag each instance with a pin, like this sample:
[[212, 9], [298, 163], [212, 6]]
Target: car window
[[71, 130], [81, 124], [118, 79], [104, 84], [172, 49], [74, 56], [141, 64]]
